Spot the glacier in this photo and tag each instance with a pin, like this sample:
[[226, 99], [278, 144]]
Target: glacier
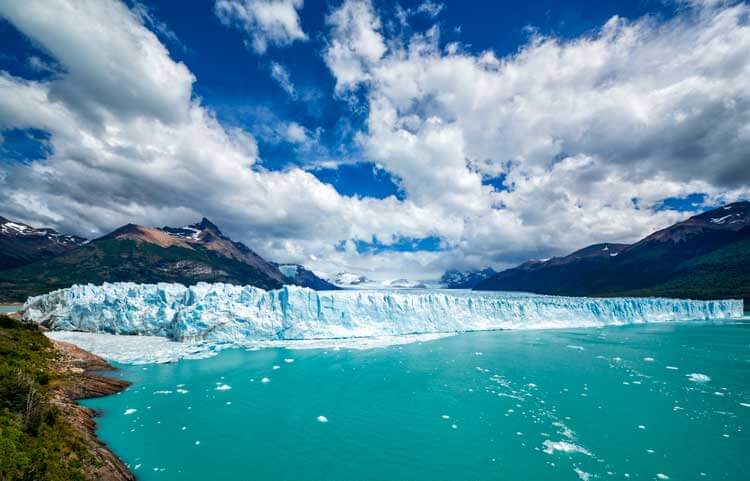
[[238, 315]]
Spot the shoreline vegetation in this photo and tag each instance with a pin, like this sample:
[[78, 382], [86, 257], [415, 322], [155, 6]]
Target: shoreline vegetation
[[44, 433]]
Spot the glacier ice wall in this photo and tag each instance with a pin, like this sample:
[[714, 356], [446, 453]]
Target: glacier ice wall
[[237, 314]]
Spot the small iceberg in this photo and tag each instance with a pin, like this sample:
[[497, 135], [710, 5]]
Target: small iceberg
[[698, 377]]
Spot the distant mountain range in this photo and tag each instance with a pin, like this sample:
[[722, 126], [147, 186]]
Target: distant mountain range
[[40, 260], [455, 279], [349, 279], [705, 256]]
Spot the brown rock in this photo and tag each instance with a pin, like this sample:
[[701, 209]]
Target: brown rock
[[81, 381]]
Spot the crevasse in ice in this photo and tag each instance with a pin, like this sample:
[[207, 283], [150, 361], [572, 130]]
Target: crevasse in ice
[[237, 314]]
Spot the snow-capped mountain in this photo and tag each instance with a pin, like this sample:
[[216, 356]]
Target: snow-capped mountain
[[21, 244], [455, 279], [189, 254], [404, 284], [349, 279], [301, 276]]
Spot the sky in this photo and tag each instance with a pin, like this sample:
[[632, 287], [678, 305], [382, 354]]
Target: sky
[[385, 138]]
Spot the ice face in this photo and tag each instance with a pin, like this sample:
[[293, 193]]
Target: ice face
[[237, 314]]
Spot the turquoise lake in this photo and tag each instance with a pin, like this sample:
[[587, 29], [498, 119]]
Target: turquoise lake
[[660, 401], [8, 308]]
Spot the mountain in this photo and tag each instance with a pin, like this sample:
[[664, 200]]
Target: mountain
[[404, 284], [190, 254], [455, 279], [301, 276], [21, 244], [705, 256], [348, 279]]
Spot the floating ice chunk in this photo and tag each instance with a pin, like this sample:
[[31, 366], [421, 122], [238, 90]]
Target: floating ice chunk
[[641, 426], [129, 411], [164, 391], [183, 428], [197, 443], [322, 419], [672, 368], [662, 476], [445, 416], [288, 360], [698, 377], [276, 367], [454, 426], [747, 405], [582, 475], [648, 359], [182, 391], [551, 447], [265, 380], [223, 387], [577, 348]]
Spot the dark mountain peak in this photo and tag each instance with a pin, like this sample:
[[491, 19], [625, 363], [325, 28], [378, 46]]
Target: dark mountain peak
[[729, 218], [299, 275], [732, 216], [206, 224]]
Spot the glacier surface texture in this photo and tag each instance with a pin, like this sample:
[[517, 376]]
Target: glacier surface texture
[[223, 313]]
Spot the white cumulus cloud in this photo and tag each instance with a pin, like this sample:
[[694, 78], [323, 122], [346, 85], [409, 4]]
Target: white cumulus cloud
[[267, 22]]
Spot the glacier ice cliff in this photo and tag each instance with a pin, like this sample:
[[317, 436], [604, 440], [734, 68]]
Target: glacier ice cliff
[[225, 313]]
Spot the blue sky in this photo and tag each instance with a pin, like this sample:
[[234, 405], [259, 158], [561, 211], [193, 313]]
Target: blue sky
[[379, 137], [237, 84]]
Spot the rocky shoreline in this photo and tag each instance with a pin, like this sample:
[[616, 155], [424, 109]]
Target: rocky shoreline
[[80, 369]]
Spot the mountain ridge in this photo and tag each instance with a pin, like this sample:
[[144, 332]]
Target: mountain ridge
[[704, 256], [188, 254], [22, 244]]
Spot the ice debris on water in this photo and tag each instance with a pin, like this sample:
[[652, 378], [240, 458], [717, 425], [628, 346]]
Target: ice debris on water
[[698, 377], [550, 447]]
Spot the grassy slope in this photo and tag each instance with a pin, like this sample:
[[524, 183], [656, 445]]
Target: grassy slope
[[114, 260], [36, 442]]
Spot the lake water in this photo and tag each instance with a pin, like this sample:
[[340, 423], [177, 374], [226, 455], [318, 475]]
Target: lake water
[[8, 308], [669, 401]]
